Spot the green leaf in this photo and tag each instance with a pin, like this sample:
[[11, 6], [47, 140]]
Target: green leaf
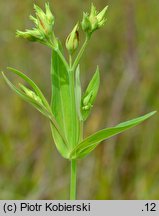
[[88, 144], [63, 104], [78, 92], [25, 97], [90, 95], [43, 108], [32, 84]]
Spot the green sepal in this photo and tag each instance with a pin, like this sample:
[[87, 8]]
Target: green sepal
[[88, 144], [90, 95]]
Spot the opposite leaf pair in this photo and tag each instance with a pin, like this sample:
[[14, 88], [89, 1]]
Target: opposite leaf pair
[[83, 148]]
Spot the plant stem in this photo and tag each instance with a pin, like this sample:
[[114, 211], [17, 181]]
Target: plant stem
[[73, 180], [70, 61], [62, 58], [56, 48], [76, 62]]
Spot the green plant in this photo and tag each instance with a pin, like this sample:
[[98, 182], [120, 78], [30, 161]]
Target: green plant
[[69, 107]]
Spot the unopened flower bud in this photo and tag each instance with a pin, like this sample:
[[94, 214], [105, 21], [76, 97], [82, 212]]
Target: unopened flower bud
[[45, 21], [30, 93], [93, 11], [101, 17], [72, 40], [39, 12], [49, 15], [101, 23], [87, 107], [33, 19], [94, 21], [87, 99], [43, 27], [86, 25], [93, 18], [32, 35]]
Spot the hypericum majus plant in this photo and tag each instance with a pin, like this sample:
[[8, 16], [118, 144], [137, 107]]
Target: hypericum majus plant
[[70, 106]]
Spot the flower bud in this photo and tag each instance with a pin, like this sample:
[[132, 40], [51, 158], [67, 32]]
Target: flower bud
[[87, 99], [49, 15], [43, 27], [87, 103], [93, 18], [93, 11], [101, 15], [94, 21], [86, 25], [89, 96], [72, 40], [101, 23], [87, 107], [30, 93], [32, 35], [33, 19], [45, 21]]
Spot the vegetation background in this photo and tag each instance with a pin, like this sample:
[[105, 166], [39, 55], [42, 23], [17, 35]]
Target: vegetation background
[[127, 52]]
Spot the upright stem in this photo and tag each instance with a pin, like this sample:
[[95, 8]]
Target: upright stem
[[56, 48], [63, 59], [73, 180], [70, 61]]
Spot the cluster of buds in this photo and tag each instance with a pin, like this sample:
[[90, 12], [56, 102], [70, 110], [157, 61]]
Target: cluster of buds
[[72, 40], [44, 23], [94, 20]]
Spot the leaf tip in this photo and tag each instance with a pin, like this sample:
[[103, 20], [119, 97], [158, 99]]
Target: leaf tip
[[3, 74], [153, 112], [10, 68]]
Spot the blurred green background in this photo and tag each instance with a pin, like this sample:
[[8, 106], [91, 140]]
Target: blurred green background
[[127, 52]]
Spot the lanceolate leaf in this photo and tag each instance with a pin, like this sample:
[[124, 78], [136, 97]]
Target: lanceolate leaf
[[43, 108], [63, 104], [88, 144], [90, 95], [31, 83], [78, 92], [26, 98]]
